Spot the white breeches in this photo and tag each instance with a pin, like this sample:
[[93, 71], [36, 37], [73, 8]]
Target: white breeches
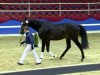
[[27, 49]]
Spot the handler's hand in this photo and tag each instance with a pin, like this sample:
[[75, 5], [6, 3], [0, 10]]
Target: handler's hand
[[32, 48], [21, 43]]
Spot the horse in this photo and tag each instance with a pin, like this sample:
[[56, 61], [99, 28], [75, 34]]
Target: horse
[[49, 31]]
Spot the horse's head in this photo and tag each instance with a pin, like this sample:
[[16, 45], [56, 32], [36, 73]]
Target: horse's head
[[34, 23], [24, 23]]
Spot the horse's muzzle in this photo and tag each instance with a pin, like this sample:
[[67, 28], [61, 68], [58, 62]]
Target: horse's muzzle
[[21, 31]]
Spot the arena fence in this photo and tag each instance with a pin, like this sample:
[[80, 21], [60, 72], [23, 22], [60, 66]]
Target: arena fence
[[60, 8], [88, 7]]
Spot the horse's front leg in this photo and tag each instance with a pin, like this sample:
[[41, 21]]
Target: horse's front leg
[[48, 50], [43, 48]]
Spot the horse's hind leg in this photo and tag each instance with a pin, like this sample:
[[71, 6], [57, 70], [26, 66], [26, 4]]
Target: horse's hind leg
[[48, 50], [68, 43], [42, 50], [75, 39]]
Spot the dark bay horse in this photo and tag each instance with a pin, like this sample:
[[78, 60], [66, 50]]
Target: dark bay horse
[[48, 31]]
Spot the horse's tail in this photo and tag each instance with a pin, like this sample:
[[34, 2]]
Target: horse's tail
[[84, 38]]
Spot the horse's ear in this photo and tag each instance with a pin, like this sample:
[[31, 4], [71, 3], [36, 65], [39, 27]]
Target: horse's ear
[[25, 18]]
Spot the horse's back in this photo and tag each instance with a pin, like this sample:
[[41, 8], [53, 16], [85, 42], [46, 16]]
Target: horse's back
[[57, 31], [72, 26], [52, 31]]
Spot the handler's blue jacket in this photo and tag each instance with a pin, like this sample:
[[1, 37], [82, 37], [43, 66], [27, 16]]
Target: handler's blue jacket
[[29, 39]]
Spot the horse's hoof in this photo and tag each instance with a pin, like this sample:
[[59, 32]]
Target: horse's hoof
[[55, 55], [82, 60], [60, 58]]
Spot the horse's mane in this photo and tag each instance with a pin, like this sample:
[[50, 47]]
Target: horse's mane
[[39, 22]]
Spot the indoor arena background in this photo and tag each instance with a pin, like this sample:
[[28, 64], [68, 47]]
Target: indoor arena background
[[12, 12], [85, 12]]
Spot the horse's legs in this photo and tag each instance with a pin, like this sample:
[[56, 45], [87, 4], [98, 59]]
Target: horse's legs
[[68, 43], [75, 39], [42, 50], [48, 50]]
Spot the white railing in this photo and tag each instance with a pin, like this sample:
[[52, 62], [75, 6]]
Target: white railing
[[59, 10]]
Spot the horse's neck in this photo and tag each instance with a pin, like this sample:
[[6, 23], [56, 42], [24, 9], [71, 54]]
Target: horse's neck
[[35, 26], [36, 29]]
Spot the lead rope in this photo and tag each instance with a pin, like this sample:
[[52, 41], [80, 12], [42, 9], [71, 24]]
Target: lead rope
[[20, 39]]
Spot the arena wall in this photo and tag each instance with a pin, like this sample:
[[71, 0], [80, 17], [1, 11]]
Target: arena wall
[[13, 26]]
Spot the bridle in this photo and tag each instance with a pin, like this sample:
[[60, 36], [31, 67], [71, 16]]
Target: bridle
[[22, 34]]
